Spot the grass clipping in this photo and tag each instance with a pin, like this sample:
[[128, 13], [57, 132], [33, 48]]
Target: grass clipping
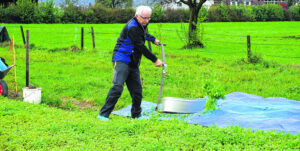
[[213, 91]]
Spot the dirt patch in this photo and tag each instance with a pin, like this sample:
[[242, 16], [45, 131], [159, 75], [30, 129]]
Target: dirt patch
[[72, 103], [85, 105], [295, 66], [14, 95], [72, 48]]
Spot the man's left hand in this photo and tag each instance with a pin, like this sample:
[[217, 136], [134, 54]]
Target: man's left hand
[[157, 42]]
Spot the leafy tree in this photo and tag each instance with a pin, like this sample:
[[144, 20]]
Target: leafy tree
[[69, 2], [194, 6], [148, 2], [291, 2], [116, 3], [26, 10]]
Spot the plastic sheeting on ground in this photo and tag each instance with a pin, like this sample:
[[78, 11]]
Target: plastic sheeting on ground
[[245, 110]]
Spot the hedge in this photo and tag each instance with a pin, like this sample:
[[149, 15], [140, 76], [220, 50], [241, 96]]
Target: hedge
[[45, 12]]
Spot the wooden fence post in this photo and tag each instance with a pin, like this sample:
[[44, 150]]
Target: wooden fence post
[[248, 48], [27, 58], [93, 37], [22, 32], [82, 32]]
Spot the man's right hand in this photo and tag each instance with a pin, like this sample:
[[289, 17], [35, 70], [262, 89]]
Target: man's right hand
[[158, 63]]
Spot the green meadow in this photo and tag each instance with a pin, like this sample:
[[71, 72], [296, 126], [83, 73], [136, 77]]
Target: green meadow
[[75, 83]]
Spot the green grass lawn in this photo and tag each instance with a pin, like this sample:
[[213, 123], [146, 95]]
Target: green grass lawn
[[69, 76], [25, 126]]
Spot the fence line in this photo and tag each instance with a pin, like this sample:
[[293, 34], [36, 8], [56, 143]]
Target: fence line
[[88, 37], [238, 43], [164, 29]]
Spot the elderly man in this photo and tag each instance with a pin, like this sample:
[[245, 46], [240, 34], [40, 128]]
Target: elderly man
[[126, 60]]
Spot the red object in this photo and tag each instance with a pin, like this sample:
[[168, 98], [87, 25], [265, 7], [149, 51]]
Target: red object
[[283, 5], [1, 90]]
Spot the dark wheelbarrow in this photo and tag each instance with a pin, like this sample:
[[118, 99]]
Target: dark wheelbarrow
[[4, 68]]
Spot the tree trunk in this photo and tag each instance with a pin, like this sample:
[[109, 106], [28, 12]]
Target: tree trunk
[[194, 41]]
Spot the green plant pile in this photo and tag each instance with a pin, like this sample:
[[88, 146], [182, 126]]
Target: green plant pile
[[213, 93]]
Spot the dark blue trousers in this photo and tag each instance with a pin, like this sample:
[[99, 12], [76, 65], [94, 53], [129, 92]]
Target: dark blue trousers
[[131, 75]]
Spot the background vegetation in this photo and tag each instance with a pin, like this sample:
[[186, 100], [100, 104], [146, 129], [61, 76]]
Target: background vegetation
[[45, 12]]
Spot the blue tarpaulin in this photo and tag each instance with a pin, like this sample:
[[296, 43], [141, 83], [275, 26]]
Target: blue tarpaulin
[[242, 109]]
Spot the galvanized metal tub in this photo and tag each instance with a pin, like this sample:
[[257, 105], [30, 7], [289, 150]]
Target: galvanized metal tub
[[180, 105]]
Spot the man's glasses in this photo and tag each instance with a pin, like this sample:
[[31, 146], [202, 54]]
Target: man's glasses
[[148, 18]]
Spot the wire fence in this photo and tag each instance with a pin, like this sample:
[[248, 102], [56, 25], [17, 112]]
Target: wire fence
[[223, 44]]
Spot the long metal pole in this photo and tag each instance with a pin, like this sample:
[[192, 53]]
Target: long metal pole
[[163, 76]]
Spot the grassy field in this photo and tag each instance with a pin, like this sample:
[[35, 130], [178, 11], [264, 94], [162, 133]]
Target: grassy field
[[74, 79], [25, 126]]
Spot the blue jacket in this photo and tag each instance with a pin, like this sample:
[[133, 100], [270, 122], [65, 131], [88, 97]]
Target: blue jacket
[[131, 44]]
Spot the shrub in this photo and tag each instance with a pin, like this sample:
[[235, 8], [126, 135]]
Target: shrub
[[2, 13], [157, 13], [178, 15], [88, 16], [240, 13], [213, 15], [27, 11], [287, 15], [260, 12], [294, 12], [122, 15], [47, 12], [107, 15], [102, 14], [219, 13], [10, 15], [202, 16], [283, 5], [268, 12], [274, 12], [72, 14]]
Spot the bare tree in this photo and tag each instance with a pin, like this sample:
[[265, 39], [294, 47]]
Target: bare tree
[[194, 6]]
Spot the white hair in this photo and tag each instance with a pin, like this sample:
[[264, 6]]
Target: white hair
[[140, 9]]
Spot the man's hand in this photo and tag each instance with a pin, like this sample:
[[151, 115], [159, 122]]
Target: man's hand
[[157, 42], [158, 63]]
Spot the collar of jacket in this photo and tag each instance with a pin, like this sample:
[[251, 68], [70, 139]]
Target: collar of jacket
[[142, 27]]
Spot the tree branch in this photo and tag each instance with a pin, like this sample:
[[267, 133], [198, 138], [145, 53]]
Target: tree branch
[[200, 4], [195, 2], [186, 2]]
